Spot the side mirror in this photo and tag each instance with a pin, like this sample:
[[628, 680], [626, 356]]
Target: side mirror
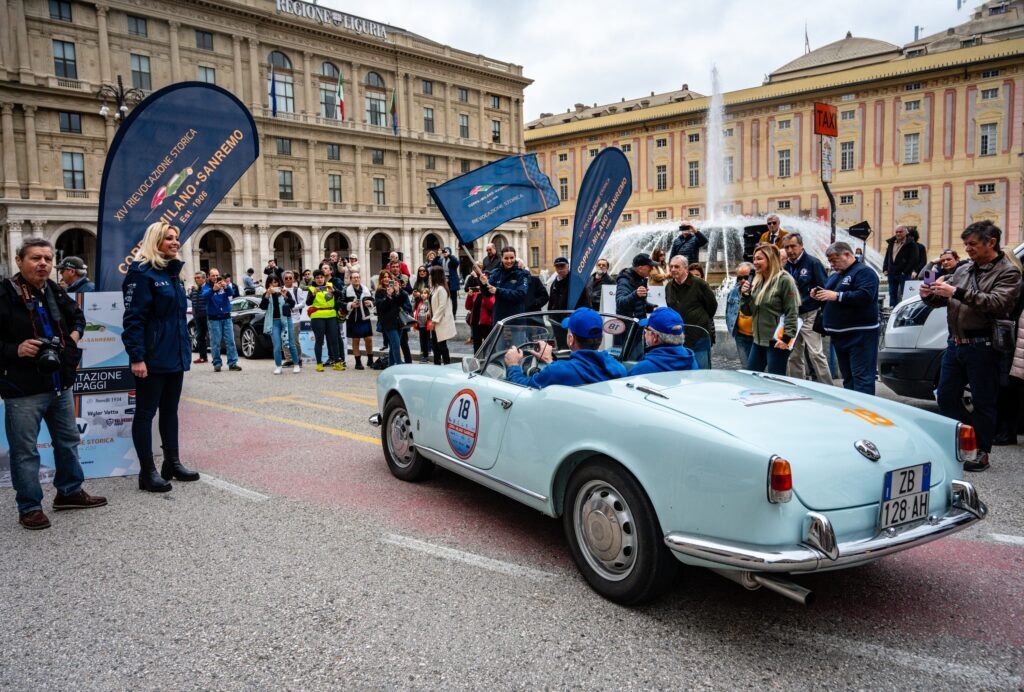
[[470, 365]]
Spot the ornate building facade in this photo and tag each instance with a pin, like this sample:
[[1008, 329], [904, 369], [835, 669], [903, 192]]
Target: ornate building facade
[[321, 183], [929, 137]]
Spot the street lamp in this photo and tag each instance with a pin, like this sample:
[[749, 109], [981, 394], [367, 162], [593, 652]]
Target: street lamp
[[122, 98]]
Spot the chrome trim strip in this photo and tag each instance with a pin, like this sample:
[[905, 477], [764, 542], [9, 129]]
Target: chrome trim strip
[[807, 558], [494, 479], [966, 497], [375, 420]]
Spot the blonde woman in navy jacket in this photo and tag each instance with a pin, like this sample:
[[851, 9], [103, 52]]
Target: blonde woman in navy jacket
[[159, 350]]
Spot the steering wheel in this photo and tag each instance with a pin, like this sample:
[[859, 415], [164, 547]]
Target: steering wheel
[[530, 364]]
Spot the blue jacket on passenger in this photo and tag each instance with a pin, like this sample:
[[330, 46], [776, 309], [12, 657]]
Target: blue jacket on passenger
[[510, 298], [218, 303], [665, 358], [155, 318], [583, 367], [808, 272], [857, 307]]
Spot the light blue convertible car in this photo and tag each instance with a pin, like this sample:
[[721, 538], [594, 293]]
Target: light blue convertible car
[[751, 475]]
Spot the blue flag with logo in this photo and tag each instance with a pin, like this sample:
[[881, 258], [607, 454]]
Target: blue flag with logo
[[606, 189], [482, 200], [174, 159]]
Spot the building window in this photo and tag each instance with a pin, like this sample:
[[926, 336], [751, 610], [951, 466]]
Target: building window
[[693, 137], [534, 225], [334, 188], [846, 156], [661, 215], [848, 97], [846, 199], [464, 165], [915, 53], [627, 218], [378, 191], [662, 177], [783, 204], [462, 94], [785, 124], [727, 132], [141, 78], [593, 152], [727, 169], [986, 188], [137, 26], [563, 250], [913, 86], [911, 148], [64, 63], [988, 139], [535, 256], [693, 211], [495, 101], [626, 148], [563, 189], [73, 163], [428, 119], [377, 157], [428, 87], [661, 143], [989, 94], [694, 173], [375, 109], [563, 223], [284, 146], [430, 198], [729, 209], [71, 122], [784, 163], [334, 152], [430, 162], [496, 131], [562, 158], [329, 103], [912, 106], [329, 70], [285, 90], [207, 74], [204, 40], [989, 74], [463, 126], [284, 185], [848, 115], [60, 10], [909, 195], [968, 42]]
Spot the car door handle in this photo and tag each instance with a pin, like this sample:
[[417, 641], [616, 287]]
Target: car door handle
[[505, 403]]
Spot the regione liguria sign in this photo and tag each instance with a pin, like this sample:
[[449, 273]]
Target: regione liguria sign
[[825, 124]]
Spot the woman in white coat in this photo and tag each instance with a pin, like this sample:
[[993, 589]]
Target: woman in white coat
[[442, 326]]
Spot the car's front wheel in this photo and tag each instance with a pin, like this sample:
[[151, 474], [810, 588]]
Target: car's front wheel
[[614, 535], [248, 342], [396, 436]]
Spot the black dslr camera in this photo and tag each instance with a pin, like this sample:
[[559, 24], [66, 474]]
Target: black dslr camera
[[48, 358]]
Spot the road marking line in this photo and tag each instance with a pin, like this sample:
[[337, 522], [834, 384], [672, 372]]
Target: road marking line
[[1005, 538], [979, 676], [233, 489], [310, 404], [287, 421], [350, 397], [467, 558]]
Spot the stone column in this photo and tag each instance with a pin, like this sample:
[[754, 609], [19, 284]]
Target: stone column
[[363, 252], [481, 116], [446, 124], [175, 52], [409, 88], [357, 197], [236, 56], [414, 193], [12, 189], [21, 37], [35, 190], [14, 238], [256, 98], [5, 40], [108, 123], [402, 201], [310, 110], [311, 176], [248, 231], [356, 111], [101, 20], [517, 125], [237, 269], [313, 249], [261, 187], [265, 250]]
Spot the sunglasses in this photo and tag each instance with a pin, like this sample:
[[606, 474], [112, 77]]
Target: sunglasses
[[772, 223]]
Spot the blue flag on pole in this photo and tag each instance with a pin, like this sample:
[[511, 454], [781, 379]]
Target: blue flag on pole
[[482, 200], [173, 159], [605, 191], [273, 93]]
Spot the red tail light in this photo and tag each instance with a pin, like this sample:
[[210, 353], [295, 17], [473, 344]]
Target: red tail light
[[780, 481], [966, 443]]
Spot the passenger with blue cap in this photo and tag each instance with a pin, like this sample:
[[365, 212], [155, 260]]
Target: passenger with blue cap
[[586, 365], [663, 335]]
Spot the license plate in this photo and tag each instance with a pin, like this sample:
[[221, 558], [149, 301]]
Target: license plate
[[905, 495]]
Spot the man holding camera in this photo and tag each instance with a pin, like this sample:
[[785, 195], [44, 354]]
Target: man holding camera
[[218, 293], [40, 326], [689, 243]]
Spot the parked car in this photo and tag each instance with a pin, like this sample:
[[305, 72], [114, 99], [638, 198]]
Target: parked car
[[247, 318], [650, 471]]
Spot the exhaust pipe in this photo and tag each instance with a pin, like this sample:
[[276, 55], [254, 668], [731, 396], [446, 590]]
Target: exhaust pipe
[[753, 582]]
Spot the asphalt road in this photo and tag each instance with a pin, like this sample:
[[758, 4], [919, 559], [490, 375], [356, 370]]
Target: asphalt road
[[301, 563]]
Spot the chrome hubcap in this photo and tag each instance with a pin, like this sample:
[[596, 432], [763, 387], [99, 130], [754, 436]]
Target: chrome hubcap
[[400, 438], [605, 530], [248, 342]]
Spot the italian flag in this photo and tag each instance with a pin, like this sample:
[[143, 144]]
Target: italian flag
[[394, 111], [339, 99]]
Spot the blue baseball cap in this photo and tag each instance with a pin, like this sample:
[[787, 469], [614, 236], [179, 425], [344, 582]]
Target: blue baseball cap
[[561, 260], [664, 320], [584, 322]]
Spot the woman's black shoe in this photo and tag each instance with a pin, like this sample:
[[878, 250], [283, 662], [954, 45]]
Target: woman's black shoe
[[173, 468], [149, 479]]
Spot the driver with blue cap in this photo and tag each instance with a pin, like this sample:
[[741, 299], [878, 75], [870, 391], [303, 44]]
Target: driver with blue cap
[[663, 335], [587, 365]]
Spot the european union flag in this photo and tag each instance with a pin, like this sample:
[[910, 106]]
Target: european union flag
[[482, 200]]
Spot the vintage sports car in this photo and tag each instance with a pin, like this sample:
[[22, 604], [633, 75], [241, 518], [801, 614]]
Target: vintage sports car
[[751, 475]]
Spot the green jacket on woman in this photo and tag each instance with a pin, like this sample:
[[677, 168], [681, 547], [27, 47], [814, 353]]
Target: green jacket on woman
[[781, 298]]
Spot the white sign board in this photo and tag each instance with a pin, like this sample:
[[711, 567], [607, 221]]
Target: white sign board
[[828, 153]]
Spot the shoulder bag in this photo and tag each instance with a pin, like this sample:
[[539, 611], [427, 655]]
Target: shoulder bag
[[1004, 332]]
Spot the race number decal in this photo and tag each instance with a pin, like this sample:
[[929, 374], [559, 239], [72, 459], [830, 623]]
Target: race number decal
[[869, 417], [461, 423]]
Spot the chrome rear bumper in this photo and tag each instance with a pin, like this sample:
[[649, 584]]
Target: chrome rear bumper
[[821, 551]]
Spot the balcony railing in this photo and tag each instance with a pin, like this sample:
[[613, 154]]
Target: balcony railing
[[76, 194]]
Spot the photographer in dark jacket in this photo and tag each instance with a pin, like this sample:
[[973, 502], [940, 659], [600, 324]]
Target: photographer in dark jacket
[[159, 349], [40, 326], [631, 288], [902, 261], [195, 297], [689, 243], [559, 290]]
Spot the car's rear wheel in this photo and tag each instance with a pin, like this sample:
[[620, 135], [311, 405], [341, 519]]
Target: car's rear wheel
[[396, 436], [248, 345], [193, 336], [614, 535]]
